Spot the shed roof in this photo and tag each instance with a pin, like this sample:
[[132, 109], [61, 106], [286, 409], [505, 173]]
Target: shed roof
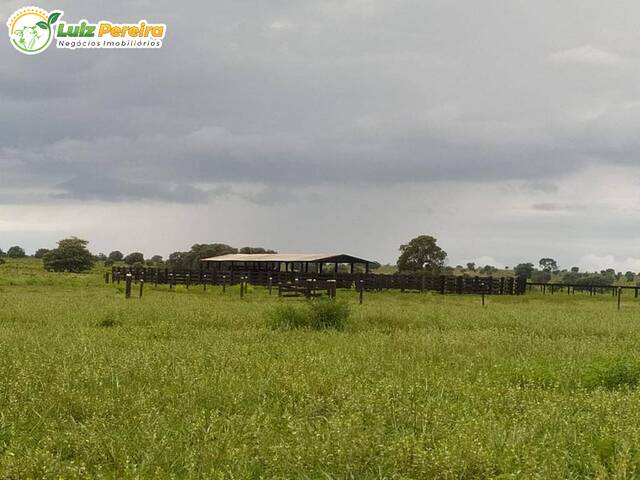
[[288, 257]]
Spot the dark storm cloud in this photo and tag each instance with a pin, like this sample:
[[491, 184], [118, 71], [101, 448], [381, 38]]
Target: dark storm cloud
[[284, 94], [116, 190]]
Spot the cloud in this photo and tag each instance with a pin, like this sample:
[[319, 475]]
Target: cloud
[[487, 260], [104, 188], [353, 116], [558, 207], [281, 25], [595, 263], [587, 55]]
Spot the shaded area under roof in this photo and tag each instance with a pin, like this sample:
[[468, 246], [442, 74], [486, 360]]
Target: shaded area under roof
[[288, 257]]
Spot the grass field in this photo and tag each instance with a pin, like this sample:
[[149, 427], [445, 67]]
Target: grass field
[[195, 384]]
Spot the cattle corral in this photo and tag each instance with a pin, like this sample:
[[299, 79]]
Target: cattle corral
[[424, 282]]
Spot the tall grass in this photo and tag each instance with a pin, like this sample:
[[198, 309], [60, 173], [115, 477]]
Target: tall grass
[[193, 384], [315, 314]]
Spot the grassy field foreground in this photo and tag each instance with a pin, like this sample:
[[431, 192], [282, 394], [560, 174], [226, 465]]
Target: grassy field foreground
[[195, 384]]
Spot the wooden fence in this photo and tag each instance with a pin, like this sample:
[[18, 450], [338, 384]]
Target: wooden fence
[[571, 289], [369, 282]]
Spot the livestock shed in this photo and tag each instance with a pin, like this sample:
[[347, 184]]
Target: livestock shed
[[286, 262]]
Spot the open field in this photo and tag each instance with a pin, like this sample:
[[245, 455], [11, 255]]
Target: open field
[[195, 384]]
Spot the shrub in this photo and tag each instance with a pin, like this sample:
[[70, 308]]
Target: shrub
[[70, 256], [109, 318], [319, 314], [16, 252], [287, 317], [613, 375], [325, 314]]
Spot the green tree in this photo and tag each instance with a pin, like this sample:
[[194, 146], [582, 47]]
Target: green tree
[[115, 256], [71, 255], [421, 252], [16, 252], [41, 252], [629, 276], [471, 266], [133, 258], [254, 250], [524, 270], [548, 264], [191, 260]]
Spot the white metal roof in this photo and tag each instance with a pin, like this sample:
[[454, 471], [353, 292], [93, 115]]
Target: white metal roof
[[286, 257]]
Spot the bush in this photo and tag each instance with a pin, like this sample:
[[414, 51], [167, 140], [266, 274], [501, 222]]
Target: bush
[[16, 252], [325, 314], [287, 317], [70, 256], [614, 375], [319, 314]]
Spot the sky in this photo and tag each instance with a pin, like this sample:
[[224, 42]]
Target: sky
[[507, 130]]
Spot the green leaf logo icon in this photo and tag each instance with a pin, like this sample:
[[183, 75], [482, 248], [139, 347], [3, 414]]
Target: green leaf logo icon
[[43, 25], [53, 18]]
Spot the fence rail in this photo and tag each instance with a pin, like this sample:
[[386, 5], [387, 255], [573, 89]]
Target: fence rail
[[367, 281], [571, 288]]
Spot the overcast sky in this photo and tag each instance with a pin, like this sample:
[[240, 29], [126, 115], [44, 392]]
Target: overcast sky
[[507, 130]]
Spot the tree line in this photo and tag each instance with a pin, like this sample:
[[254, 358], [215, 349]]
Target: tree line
[[72, 255], [421, 254]]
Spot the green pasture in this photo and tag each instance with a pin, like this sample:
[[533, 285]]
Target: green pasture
[[194, 384]]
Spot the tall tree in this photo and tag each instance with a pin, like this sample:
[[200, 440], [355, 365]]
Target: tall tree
[[191, 260], [41, 252], [421, 252], [548, 264], [115, 256], [135, 257], [16, 252], [71, 255], [524, 270]]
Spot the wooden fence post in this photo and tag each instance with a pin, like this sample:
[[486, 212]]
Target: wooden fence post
[[619, 297], [362, 290], [141, 286], [270, 284], [127, 288]]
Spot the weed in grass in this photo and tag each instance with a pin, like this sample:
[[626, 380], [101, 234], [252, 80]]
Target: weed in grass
[[613, 375], [110, 318], [316, 314]]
